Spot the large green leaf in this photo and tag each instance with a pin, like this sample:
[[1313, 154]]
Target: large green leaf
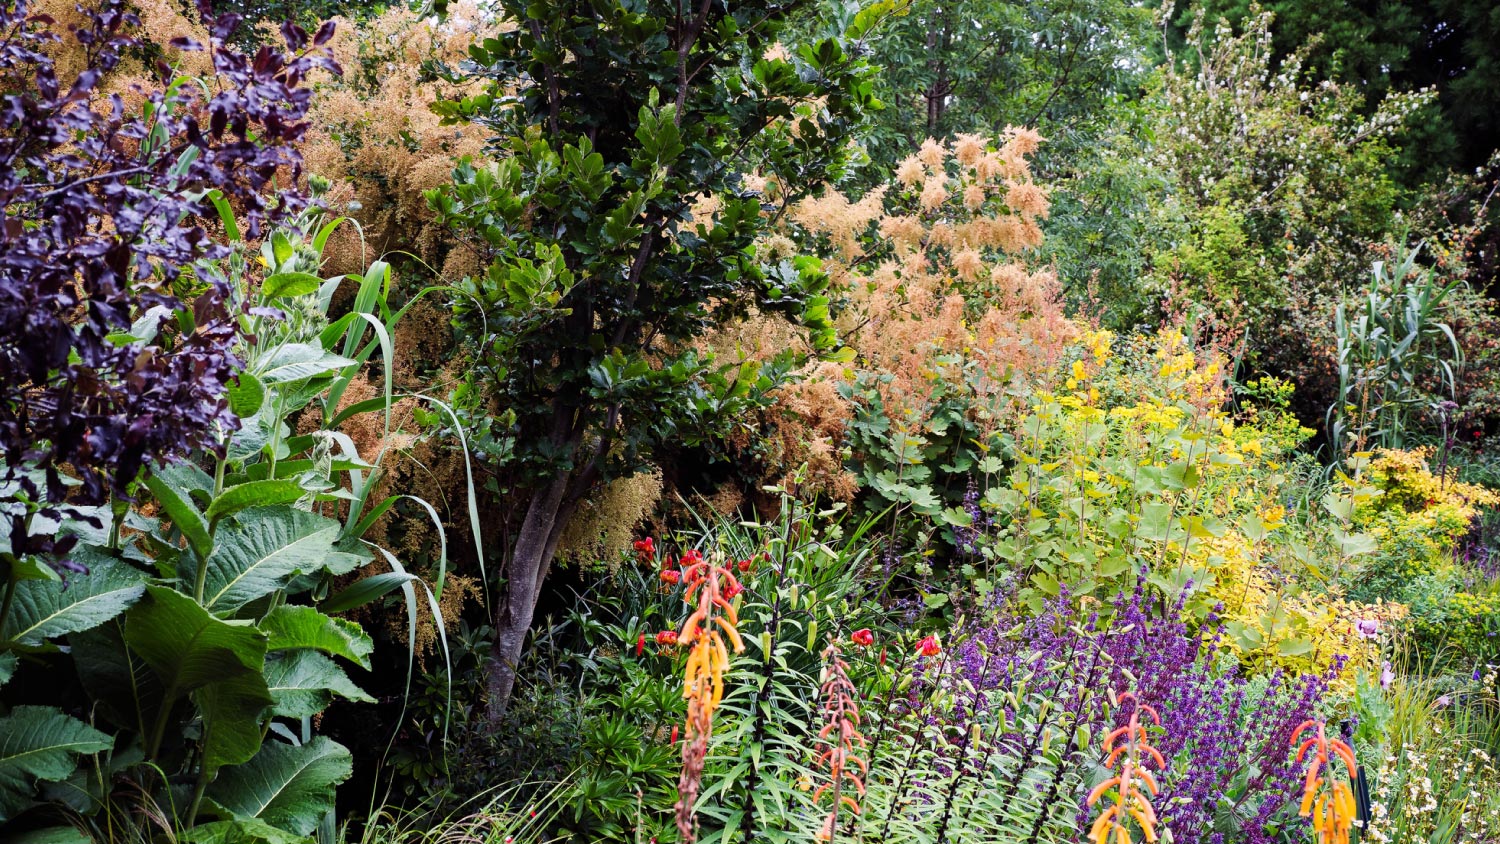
[[286, 786], [232, 712], [122, 688], [261, 549], [254, 494], [303, 683], [290, 284], [44, 609], [171, 485], [39, 743], [296, 362], [248, 831], [187, 646], [246, 395], [291, 627]]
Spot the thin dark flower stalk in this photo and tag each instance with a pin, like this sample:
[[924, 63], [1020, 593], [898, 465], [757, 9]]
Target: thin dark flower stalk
[[1031, 745], [906, 767], [1071, 747], [885, 722], [758, 732], [960, 758]]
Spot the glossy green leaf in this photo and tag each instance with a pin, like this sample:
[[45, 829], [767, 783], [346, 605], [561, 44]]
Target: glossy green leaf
[[39, 743], [186, 646], [261, 549], [284, 285], [232, 714], [45, 609], [167, 485], [304, 682], [254, 494], [292, 627], [285, 786]]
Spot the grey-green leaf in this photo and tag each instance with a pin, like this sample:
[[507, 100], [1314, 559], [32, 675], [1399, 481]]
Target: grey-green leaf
[[45, 609], [39, 743], [303, 683], [285, 786], [262, 548], [298, 362], [291, 627]]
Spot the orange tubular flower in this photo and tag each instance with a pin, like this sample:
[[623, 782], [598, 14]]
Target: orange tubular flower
[[710, 586], [1332, 807], [1131, 801], [841, 733]]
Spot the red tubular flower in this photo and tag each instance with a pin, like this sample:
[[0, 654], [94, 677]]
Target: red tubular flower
[[640, 645], [929, 646], [863, 637], [666, 637], [672, 576]]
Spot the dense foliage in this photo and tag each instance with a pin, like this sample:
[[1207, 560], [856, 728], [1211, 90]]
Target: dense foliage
[[771, 421]]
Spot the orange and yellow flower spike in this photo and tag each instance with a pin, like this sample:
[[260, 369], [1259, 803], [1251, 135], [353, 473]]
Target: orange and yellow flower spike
[[1133, 785], [712, 585], [1329, 804]]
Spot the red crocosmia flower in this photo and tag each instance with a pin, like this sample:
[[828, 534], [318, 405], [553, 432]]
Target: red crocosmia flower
[[863, 637], [640, 645], [645, 548], [929, 646], [671, 576], [666, 637], [692, 557], [746, 564], [733, 589], [674, 733]]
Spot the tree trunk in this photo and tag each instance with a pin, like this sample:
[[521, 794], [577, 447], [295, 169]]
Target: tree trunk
[[535, 544]]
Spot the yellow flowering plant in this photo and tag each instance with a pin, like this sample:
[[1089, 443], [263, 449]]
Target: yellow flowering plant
[[1134, 462]]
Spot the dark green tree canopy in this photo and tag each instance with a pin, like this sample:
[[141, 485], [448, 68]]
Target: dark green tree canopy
[[645, 147]]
